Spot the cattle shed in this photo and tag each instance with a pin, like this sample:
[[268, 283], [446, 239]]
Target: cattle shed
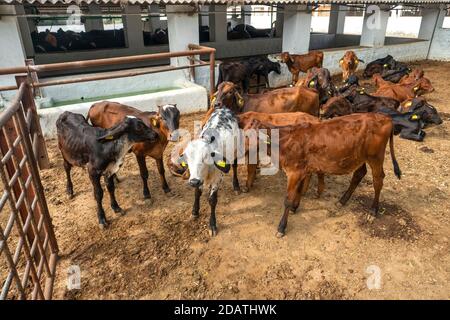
[[136, 27]]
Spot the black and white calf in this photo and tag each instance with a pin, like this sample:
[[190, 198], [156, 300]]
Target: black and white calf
[[101, 150], [219, 145]]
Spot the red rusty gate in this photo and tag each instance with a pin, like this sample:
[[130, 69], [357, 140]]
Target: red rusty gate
[[28, 248]]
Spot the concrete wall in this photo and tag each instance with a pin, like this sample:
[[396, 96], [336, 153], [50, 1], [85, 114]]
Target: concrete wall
[[440, 44]]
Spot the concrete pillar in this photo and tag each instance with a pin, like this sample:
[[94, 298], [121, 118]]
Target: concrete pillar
[[247, 15], [12, 51], [279, 22], [297, 29], [430, 15], [97, 23], [26, 27], [133, 26], [204, 17], [374, 26], [155, 21], [183, 28], [218, 23], [337, 19]]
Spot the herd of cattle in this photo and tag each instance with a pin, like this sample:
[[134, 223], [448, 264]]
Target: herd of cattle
[[322, 128], [61, 40]]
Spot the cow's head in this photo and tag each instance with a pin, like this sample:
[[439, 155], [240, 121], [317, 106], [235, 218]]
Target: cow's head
[[201, 160], [336, 107], [135, 129], [285, 57], [228, 95], [423, 109], [168, 119], [273, 66], [422, 86], [320, 79], [349, 62]]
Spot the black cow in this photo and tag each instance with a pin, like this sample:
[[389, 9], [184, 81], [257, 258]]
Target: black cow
[[428, 113], [102, 151], [378, 65], [240, 72]]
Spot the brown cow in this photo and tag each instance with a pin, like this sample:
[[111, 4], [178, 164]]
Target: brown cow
[[276, 119], [402, 92], [165, 122], [349, 63], [302, 62], [337, 146], [280, 100]]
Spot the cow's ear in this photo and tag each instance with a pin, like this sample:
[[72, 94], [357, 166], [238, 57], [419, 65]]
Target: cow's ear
[[341, 61], [221, 163]]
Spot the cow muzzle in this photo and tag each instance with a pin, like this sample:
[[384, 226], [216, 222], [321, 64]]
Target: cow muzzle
[[195, 183]]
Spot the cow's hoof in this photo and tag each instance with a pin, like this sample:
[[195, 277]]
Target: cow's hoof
[[339, 205], [194, 217], [103, 226], [147, 196], [237, 192], [213, 232], [119, 211], [70, 196], [293, 211], [370, 217], [245, 190], [166, 190], [280, 234]]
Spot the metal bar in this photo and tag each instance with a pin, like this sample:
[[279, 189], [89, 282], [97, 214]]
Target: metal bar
[[9, 111], [112, 75], [103, 62], [8, 88], [35, 126], [34, 78], [212, 73]]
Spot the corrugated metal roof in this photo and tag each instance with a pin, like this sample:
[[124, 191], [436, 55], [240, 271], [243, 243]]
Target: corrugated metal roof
[[225, 1]]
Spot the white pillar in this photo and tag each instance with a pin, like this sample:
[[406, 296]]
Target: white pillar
[[374, 26], [337, 19], [12, 51], [97, 23], [183, 28], [430, 15], [218, 23], [26, 26], [132, 25], [247, 14], [296, 29]]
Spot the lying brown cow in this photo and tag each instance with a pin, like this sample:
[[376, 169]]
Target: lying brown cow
[[302, 62], [414, 76], [276, 119], [165, 122], [337, 146], [402, 92], [349, 63]]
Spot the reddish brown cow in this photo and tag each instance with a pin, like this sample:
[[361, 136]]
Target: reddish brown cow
[[302, 62], [349, 63], [276, 101], [337, 146], [165, 122], [414, 76], [402, 92], [276, 119]]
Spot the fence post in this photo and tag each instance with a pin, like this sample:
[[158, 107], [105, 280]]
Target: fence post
[[36, 136], [212, 72], [34, 77]]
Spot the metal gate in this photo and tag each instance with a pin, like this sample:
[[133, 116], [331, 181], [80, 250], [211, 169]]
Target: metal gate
[[28, 247]]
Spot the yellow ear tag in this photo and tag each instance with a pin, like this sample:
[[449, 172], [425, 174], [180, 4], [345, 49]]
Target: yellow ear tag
[[221, 163], [341, 61], [110, 137], [154, 122], [408, 104], [416, 89], [385, 65], [356, 61], [312, 83], [213, 100], [267, 141], [362, 90], [241, 102], [183, 164], [414, 117]]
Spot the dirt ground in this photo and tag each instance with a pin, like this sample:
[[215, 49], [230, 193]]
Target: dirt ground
[[156, 251]]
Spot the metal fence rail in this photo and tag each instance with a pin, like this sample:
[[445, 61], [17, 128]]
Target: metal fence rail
[[28, 248]]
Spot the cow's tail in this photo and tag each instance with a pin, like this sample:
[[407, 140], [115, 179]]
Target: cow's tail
[[87, 116], [397, 171]]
